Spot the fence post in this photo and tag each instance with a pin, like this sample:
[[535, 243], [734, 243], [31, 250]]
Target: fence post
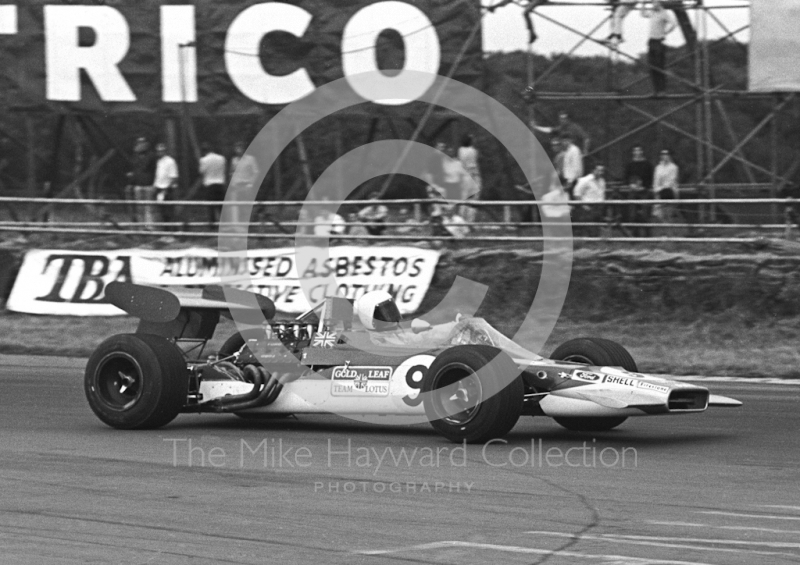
[[417, 212], [506, 214]]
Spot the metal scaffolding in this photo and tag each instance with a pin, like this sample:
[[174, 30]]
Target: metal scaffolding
[[716, 142]]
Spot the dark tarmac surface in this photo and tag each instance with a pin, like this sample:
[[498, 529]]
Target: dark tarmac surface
[[719, 488]]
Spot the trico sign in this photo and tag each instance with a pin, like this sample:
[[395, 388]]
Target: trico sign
[[215, 55]]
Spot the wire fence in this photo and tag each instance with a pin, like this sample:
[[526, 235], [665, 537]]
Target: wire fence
[[674, 220]]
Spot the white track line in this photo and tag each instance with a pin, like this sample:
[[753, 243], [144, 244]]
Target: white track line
[[795, 533], [782, 506], [607, 559], [740, 515], [656, 541]]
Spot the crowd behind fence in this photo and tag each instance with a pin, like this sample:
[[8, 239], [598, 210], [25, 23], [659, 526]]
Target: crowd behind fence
[[407, 220]]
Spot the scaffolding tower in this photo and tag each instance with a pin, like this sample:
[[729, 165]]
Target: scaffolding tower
[[716, 142]]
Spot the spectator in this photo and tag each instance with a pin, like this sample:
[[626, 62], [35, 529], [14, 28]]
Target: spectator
[[557, 150], [468, 155], [592, 188], [640, 213], [665, 178], [454, 175], [665, 184], [619, 9], [640, 168], [661, 24], [212, 170], [166, 180], [554, 201], [532, 5], [328, 223], [567, 128], [572, 168], [244, 173], [141, 180], [374, 214], [470, 178], [445, 177]]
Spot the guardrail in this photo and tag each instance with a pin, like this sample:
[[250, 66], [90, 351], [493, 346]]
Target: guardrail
[[607, 224]]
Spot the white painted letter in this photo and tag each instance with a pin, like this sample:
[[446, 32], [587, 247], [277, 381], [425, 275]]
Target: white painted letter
[[64, 57], [8, 19], [422, 49], [242, 53], [178, 60]]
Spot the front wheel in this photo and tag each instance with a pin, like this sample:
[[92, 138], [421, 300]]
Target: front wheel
[[473, 393], [136, 381], [593, 424], [602, 353]]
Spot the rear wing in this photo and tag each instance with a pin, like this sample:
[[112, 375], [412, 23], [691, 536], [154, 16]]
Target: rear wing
[[163, 313]]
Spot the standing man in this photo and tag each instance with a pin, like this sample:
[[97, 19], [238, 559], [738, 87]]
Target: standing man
[[212, 170], [592, 188], [566, 127], [661, 23], [619, 9], [166, 181], [639, 167], [639, 174], [140, 182], [244, 172], [572, 168], [665, 185], [468, 155]]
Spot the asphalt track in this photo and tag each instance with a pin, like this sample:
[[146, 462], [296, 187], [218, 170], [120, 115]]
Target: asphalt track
[[716, 488]]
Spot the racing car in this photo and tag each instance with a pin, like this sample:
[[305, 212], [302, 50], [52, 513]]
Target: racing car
[[466, 378]]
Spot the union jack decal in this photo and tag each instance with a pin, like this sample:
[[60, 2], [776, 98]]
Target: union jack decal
[[324, 339]]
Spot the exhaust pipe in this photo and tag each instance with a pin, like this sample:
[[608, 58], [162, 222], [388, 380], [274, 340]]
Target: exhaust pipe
[[266, 388]]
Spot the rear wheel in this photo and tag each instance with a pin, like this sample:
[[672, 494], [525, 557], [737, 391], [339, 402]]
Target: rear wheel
[[600, 352], [468, 396], [136, 381]]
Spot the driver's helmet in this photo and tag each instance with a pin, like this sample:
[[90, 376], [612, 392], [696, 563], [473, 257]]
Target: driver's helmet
[[377, 310]]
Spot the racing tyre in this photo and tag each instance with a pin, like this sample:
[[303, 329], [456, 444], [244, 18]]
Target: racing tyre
[[136, 381], [596, 424], [465, 405], [593, 351]]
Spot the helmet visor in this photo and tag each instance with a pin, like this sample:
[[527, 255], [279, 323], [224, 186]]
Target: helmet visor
[[387, 311]]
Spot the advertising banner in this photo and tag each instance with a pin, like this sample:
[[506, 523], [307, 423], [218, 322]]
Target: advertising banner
[[218, 57], [59, 282]]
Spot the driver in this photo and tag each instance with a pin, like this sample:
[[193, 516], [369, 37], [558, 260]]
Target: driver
[[378, 311]]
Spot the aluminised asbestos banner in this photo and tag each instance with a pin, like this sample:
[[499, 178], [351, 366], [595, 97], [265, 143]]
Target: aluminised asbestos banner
[[59, 282]]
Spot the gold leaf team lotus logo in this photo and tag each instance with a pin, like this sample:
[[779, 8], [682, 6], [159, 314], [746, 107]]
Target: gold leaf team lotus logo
[[360, 381]]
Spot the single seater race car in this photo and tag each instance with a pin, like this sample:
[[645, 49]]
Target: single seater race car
[[466, 378]]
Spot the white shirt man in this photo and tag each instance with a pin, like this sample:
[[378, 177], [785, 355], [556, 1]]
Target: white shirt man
[[212, 168], [166, 172], [665, 177], [661, 21], [554, 202], [592, 187], [572, 165]]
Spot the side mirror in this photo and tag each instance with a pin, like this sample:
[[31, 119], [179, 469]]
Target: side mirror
[[419, 326]]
